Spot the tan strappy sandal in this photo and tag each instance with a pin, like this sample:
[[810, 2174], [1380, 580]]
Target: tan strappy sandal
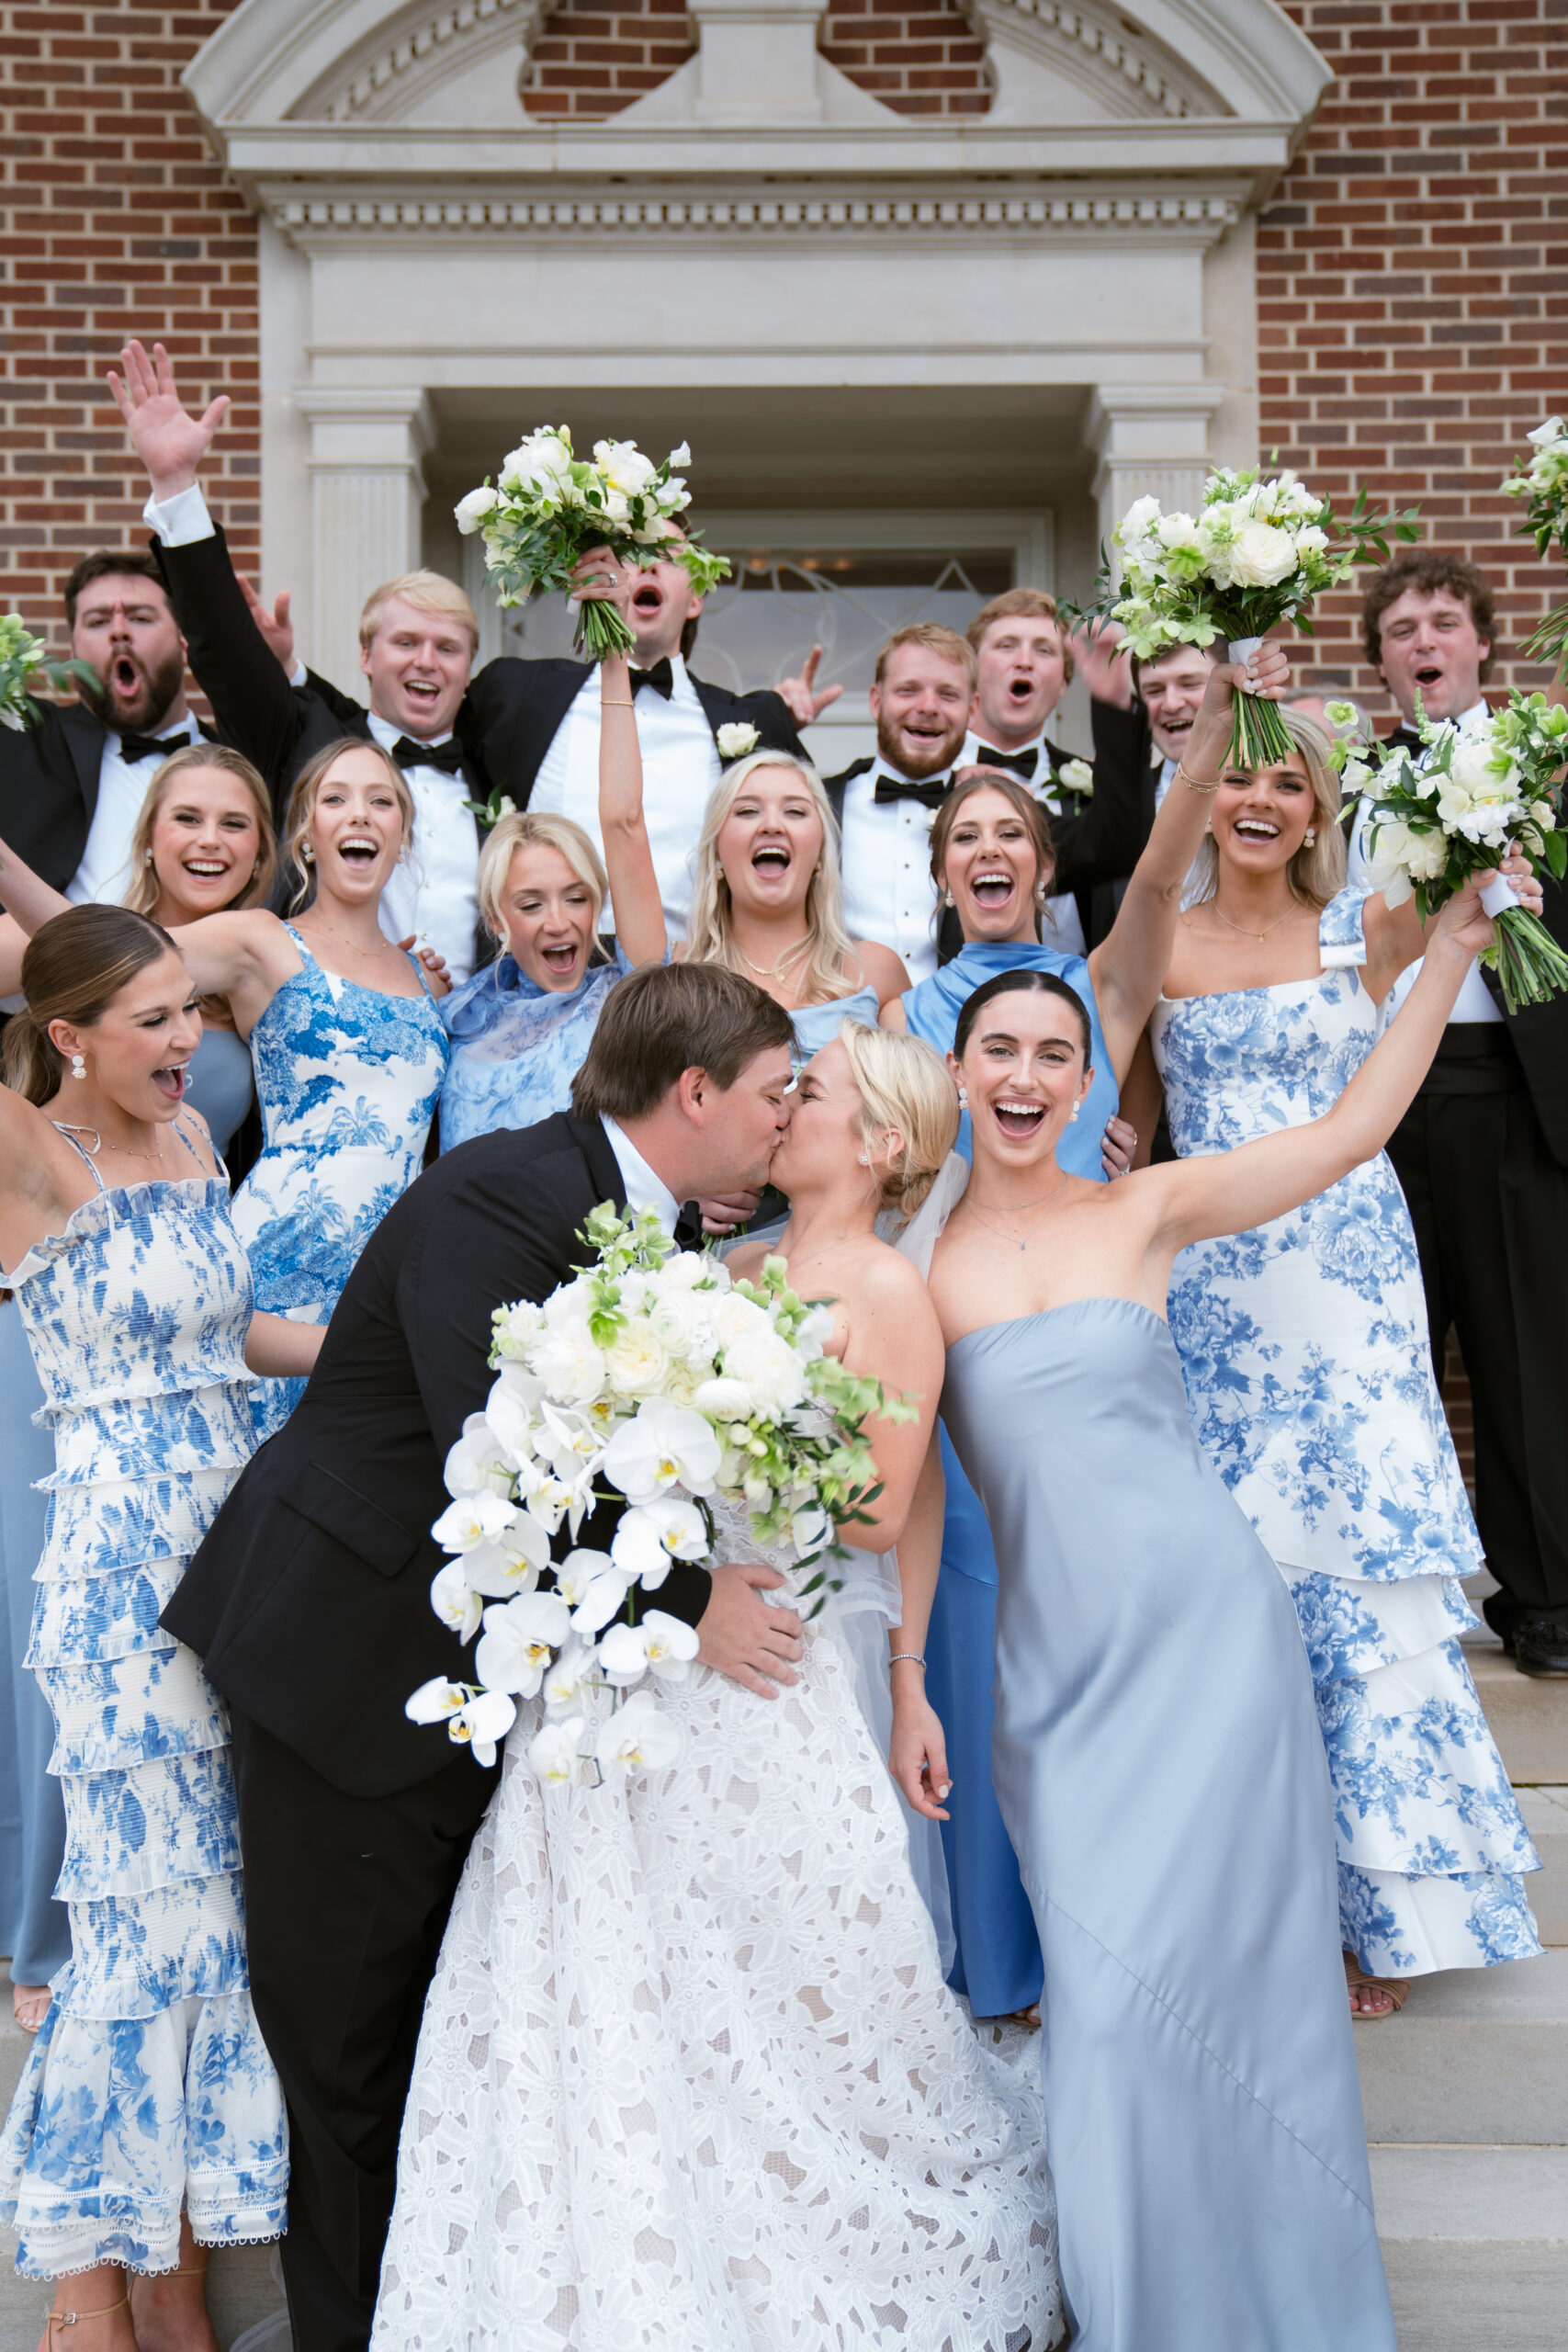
[[1396, 1987], [73, 2319]]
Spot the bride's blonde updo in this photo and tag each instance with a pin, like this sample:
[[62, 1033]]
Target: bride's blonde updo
[[903, 1084]]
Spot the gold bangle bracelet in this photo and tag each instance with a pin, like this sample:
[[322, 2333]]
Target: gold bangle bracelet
[[1181, 776], [616, 701]]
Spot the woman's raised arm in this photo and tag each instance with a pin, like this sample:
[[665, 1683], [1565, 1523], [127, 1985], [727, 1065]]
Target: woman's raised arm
[[1128, 968], [629, 860]]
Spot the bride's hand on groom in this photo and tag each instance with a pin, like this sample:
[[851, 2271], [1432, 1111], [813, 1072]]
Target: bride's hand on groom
[[742, 1635], [918, 1754]]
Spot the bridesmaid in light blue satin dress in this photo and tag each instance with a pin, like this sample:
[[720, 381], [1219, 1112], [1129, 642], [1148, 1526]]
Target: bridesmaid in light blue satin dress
[[1156, 1752]]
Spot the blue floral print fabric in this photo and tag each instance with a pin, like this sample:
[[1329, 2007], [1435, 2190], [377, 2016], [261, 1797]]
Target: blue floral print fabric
[[348, 1081], [149, 2087], [1309, 1380], [516, 1047]]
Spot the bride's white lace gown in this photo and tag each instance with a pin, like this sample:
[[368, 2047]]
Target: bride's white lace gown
[[689, 2080]]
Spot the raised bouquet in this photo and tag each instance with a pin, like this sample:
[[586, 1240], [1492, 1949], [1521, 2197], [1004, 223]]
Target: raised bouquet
[[1479, 786], [1256, 553], [1542, 480], [657, 1374], [24, 662], [548, 507]]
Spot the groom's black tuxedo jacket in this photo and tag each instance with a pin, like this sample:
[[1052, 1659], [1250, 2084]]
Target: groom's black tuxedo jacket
[[310, 1598], [512, 708]]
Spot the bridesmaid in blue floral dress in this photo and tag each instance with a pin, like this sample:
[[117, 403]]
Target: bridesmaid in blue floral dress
[[991, 860], [1303, 1348], [520, 1028], [148, 2120]]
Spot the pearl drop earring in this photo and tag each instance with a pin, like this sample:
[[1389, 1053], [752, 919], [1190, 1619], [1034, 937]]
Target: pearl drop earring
[[78, 1066], [1072, 1115], [947, 898], [147, 859], [963, 1098], [306, 854], [1310, 835]]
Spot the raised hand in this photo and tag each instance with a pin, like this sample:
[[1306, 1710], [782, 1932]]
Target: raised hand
[[600, 573], [799, 695], [276, 628], [1465, 921], [170, 442], [1107, 673], [1118, 1147]]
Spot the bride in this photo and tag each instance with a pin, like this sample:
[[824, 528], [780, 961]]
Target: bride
[[689, 2074]]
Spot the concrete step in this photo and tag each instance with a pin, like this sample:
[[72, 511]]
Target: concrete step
[[1545, 1811], [1475, 2243], [1478, 2056], [1529, 1715], [242, 2290]]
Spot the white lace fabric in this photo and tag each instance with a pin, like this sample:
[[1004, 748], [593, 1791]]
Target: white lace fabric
[[689, 2076]]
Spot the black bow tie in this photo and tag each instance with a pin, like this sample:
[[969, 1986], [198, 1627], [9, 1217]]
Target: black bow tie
[[931, 794], [150, 747], [1022, 764], [689, 1227], [661, 678], [447, 756]]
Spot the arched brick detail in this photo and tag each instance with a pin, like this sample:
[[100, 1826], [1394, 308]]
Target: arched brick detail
[[590, 62], [916, 59]]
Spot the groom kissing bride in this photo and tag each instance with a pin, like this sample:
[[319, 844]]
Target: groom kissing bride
[[688, 2075]]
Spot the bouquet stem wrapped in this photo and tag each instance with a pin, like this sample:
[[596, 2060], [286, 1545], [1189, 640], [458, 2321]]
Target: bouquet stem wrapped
[[655, 1369], [1255, 554], [548, 507], [1480, 788]]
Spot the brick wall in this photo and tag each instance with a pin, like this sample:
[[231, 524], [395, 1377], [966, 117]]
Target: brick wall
[[1412, 283], [113, 221], [590, 62], [917, 61]]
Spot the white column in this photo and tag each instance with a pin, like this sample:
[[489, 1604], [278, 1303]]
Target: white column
[[1152, 441], [367, 488]]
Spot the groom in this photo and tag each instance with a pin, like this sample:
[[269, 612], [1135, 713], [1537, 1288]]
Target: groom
[[309, 1601]]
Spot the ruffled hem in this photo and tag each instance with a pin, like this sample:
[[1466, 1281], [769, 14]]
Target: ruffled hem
[[118, 2125], [137, 1957], [92, 1530], [1399, 1926], [1419, 1788], [111, 1715], [154, 1825], [108, 1445], [152, 1203], [90, 1621]]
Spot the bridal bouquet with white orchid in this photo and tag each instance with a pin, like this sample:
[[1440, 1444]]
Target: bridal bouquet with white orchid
[[656, 1372], [1478, 787], [1541, 480], [548, 507], [1255, 554], [25, 663]]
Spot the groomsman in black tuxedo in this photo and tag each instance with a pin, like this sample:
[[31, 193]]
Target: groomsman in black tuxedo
[[72, 786], [922, 701], [1482, 1155], [309, 1598], [1025, 661]]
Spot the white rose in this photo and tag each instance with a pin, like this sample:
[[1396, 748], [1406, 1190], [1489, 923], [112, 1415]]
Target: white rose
[[679, 1322], [471, 511], [1138, 531], [769, 1369], [733, 1317], [541, 463], [1078, 777], [725, 1399], [568, 1364], [685, 1270], [624, 466], [637, 1362], [1262, 556], [735, 740]]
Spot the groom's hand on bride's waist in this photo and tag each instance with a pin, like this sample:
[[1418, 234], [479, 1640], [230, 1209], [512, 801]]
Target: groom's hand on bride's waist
[[742, 1635]]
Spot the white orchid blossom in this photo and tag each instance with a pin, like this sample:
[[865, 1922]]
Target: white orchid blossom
[[652, 1534], [637, 1739], [454, 1602], [555, 1750], [518, 1640], [475, 1719], [483, 1517], [663, 1445], [478, 1463]]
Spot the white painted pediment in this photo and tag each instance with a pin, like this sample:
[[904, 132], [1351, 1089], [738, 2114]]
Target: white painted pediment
[[455, 66]]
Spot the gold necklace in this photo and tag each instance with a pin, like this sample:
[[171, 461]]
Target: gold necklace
[[772, 971], [1040, 1220], [1240, 929], [353, 949], [98, 1144]]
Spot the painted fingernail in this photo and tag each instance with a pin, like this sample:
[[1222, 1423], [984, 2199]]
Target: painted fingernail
[[942, 1793]]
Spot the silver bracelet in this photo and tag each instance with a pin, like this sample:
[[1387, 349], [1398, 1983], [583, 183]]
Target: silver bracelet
[[906, 1658]]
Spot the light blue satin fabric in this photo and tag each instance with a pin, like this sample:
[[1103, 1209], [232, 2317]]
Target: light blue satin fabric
[[1160, 1770]]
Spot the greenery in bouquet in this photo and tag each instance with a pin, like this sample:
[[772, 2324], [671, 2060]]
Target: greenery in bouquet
[[1478, 787], [655, 1372], [1256, 553], [547, 507], [24, 666], [1541, 480]]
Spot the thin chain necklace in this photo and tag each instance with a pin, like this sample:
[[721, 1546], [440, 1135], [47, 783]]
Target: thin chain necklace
[[1036, 1223], [97, 1145], [772, 971], [1241, 930], [352, 948]]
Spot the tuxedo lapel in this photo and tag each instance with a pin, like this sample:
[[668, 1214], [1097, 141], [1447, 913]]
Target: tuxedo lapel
[[557, 685], [84, 737], [603, 1168], [835, 786]]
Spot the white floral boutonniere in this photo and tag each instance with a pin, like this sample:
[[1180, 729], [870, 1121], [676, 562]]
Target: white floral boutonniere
[[1075, 776], [736, 739]]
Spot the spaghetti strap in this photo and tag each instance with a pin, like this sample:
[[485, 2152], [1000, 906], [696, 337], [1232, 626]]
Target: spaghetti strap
[[60, 1128], [194, 1148]]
